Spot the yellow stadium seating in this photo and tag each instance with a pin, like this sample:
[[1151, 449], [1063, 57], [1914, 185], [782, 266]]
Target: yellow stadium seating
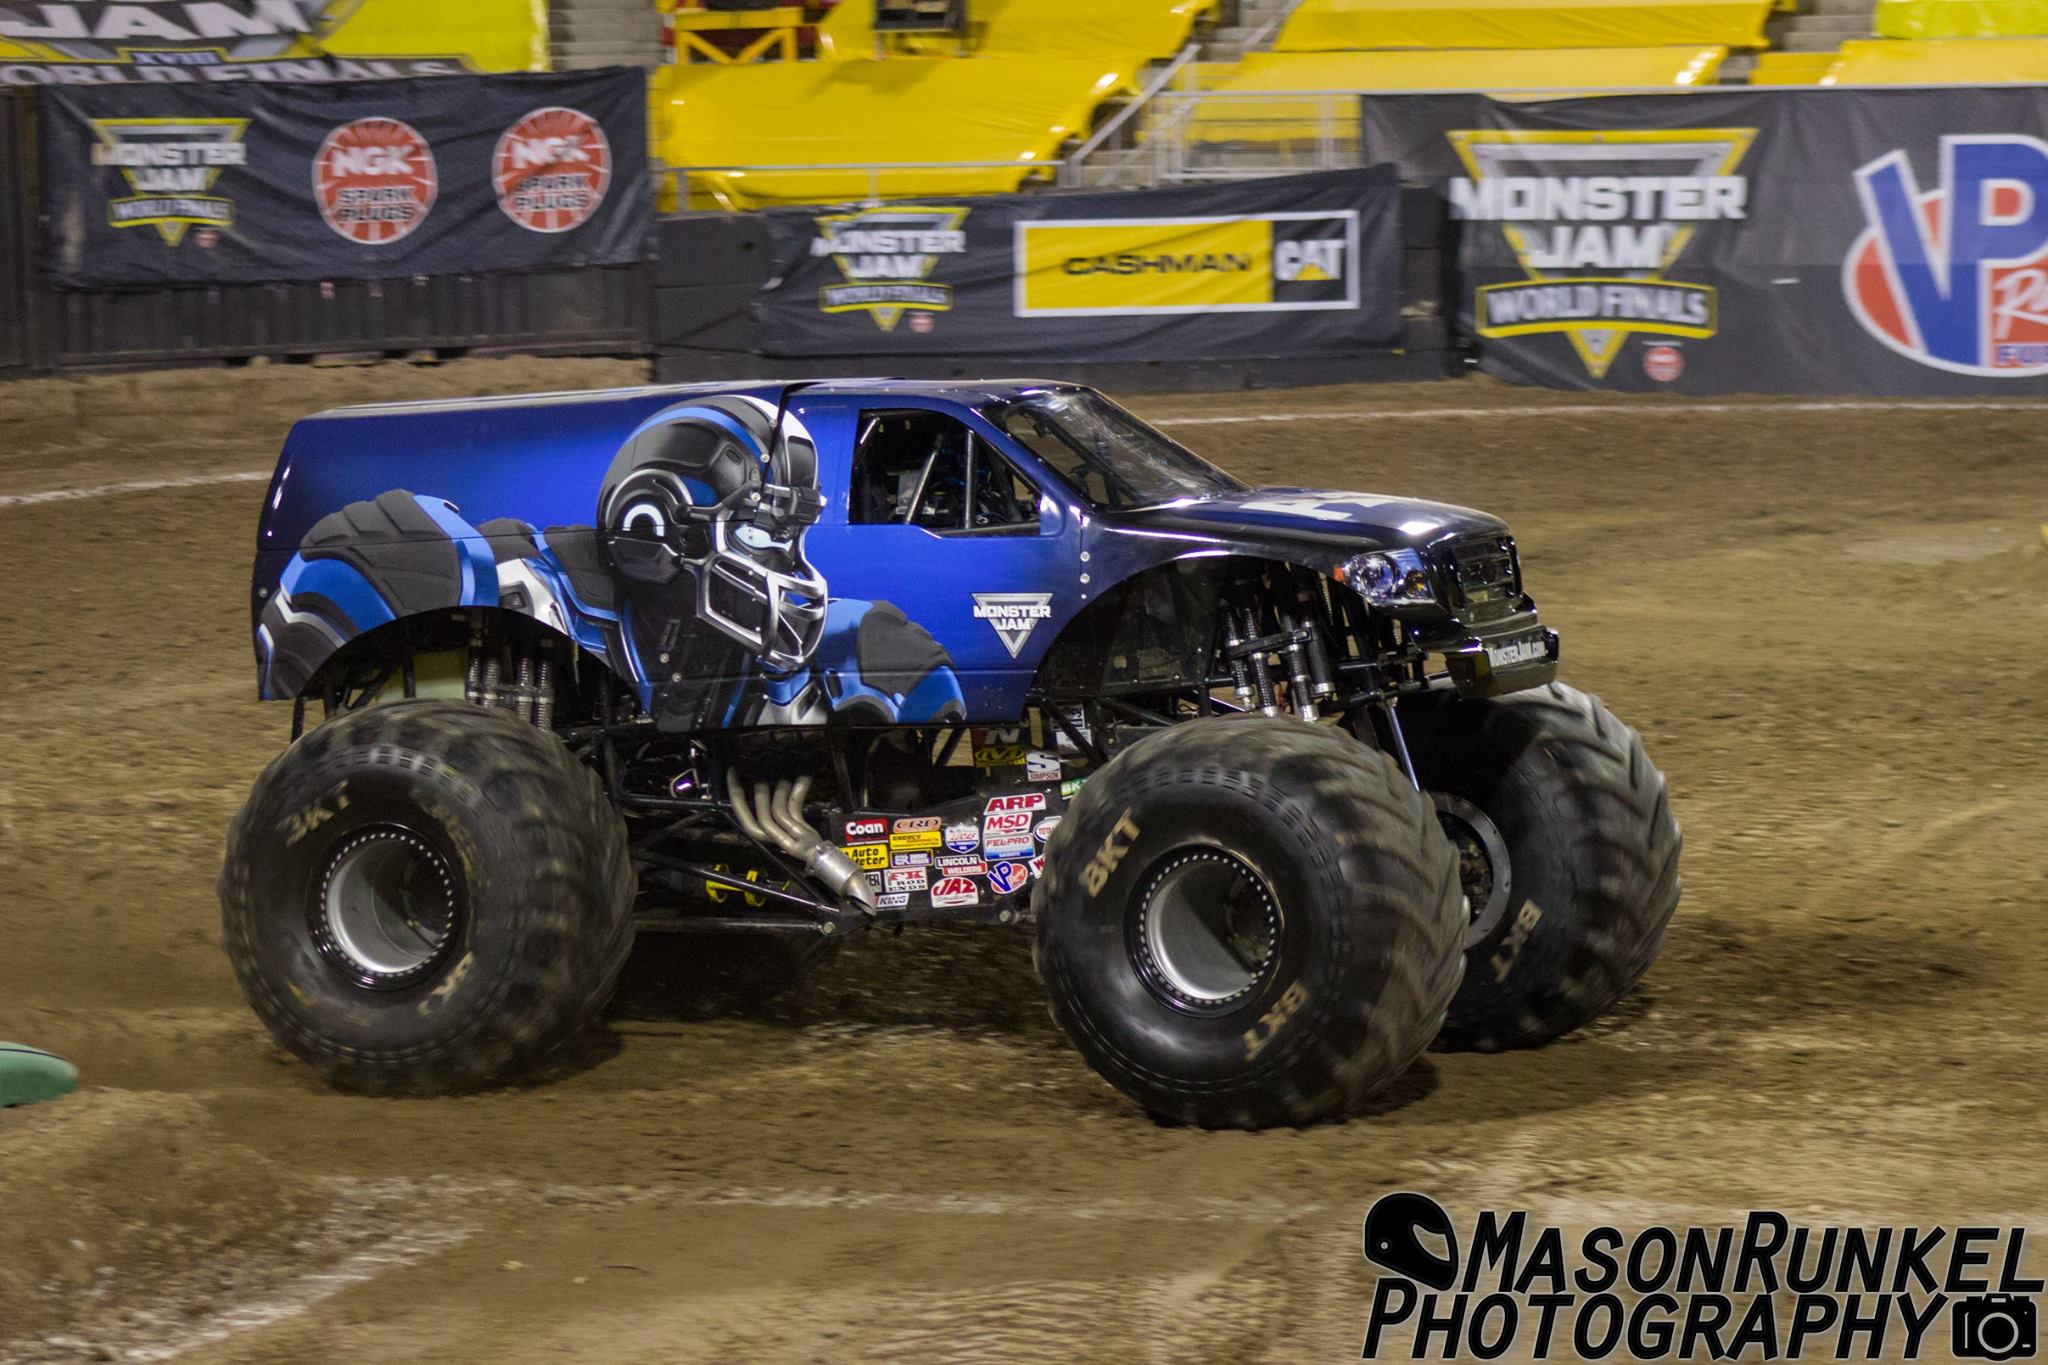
[[1961, 18], [1795, 68], [1118, 29], [1335, 25], [1010, 110], [1960, 61]]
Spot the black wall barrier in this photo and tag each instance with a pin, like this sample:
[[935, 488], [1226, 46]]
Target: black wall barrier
[[18, 331]]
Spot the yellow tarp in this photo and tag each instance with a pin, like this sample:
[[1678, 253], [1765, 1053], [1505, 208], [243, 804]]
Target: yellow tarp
[[1794, 68], [1964, 61], [1123, 30], [1961, 18], [1012, 110], [1338, 25], [481, 35]]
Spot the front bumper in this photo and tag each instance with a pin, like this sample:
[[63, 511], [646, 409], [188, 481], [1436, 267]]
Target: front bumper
[[1505, 656]]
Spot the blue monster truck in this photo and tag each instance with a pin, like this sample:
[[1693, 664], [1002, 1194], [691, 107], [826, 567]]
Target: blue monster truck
[[1281, 776]]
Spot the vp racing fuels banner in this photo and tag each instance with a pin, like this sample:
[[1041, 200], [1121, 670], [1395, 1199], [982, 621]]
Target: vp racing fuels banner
[[1789, 240], [199, 41], [1305, 265], [150, 185]]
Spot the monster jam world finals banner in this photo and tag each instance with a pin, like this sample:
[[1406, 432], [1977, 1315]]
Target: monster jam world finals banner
[[1306, 265], [1890, 241], [170, 42], [153, 185]]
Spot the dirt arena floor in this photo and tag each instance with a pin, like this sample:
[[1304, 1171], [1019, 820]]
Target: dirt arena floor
[[1827, 624]]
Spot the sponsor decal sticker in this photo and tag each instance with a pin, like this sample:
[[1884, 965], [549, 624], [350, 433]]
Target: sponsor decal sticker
[[1003, 878], [874, 827], [375, 180], [1014, 615], [1597, 221], [1663, 363], [963, 837], [999, 756], [1040, 766], [950, 891], [906, 879], [170, 164], [1955, 276], [958, 865], [1018, 801], [892, 900], [1007, 845], [919, 859], [1518, 652], [918, 831], [1071, 788], [1255, 263], [1037, 864], [868, 857], [1047, 826], [887, 256], [551, 170]]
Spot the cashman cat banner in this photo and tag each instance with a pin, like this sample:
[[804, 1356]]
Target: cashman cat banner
[[1805, 240], [374, 180], [1302, 265], [174, 42]]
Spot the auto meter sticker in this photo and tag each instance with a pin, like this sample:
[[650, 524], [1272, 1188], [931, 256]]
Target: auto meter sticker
[[1003, 878], [552, 169], [955, 891], [905, 879], [868, 857], [919, 831], [1040, 766], [863, 830], [375, 180], [962, 838], [1046, 827]]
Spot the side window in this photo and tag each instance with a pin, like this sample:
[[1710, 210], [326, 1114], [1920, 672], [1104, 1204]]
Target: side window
[[914, 467]]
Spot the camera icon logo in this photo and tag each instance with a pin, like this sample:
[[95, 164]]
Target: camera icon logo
[[1992, 1327]]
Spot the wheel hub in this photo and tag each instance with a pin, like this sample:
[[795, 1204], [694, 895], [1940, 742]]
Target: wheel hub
[[1207, 930], [1483, 868], [386, 912]]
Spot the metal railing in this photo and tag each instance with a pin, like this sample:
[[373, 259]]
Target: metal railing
[[672, 183]]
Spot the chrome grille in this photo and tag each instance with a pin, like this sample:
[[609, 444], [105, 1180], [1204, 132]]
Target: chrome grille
[[1485, 579]]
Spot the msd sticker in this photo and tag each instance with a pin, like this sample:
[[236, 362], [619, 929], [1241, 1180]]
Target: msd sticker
[[955, 891], [375, 180]]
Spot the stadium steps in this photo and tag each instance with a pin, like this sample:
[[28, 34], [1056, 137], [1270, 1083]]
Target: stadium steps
[[1827, 25], [1256, 23], [590, 33]]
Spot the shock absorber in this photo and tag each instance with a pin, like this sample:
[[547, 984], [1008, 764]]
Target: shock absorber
[[1301, 692], [1262, 670], [1233, 651]]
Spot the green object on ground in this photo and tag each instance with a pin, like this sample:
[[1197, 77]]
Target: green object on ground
[[28, 1075]]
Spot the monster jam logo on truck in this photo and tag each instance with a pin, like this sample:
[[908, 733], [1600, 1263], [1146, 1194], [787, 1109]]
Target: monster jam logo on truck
[[887, 256], [1596, 220], [1014, 615], [170, 164], [1956, 277]]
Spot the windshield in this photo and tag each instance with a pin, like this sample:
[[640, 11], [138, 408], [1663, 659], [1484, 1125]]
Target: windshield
[[1110, 457]]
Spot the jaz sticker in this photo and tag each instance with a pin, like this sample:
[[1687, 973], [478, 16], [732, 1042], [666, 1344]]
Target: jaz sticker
[[905, 879], [375, 180], [955, 891], [552, 169], [962, 838], [1003, 878], [1040, 766]]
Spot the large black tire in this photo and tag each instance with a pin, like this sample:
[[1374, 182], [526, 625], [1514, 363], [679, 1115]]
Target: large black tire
[[1347, 929], [426, 898], [1592, 857]]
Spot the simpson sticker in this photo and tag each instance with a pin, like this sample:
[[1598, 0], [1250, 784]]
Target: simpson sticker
[[1597, 221], [1003, 878], [1269, 262], [1014, 615], [963, 837], [170, 164], [375, 180], [552, 169], [868, 857], [951, 891], [905, 879], [1040, 766], [858, 831], [887, 257]]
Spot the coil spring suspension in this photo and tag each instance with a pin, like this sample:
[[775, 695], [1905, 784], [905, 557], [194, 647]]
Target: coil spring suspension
[[1257, 644], [522, 685]]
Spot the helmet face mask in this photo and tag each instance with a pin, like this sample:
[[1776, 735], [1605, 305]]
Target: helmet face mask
[[712, 492]]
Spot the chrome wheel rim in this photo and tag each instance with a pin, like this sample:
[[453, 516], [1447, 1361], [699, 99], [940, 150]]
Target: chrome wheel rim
[[1484, 871], [387, 911], [1208, 930]]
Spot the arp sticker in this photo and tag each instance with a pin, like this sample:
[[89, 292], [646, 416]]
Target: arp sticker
[[1003, 878], [1009, 805], [962, 838], [866, 829], [868, 857], [1041, 766], [952, 891], [906, 879]]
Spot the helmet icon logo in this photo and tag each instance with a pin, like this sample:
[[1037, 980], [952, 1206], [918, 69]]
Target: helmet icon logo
[[1393, 1239]]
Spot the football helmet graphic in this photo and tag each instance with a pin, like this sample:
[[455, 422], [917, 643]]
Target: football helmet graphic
[[704, 510]]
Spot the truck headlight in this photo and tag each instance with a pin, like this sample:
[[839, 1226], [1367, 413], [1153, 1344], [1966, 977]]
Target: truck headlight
[[1388, 578]]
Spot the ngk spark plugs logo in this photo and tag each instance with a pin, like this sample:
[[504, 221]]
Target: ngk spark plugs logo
[[166, 33], [170, 165], [375, 180], [887, 257], [552, 169], [1956, 276], [1597, 220]]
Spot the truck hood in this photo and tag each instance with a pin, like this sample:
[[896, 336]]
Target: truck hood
[[1332, 523]]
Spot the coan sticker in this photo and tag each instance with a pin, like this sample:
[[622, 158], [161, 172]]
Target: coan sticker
[[1014, 615], [862, 830], [868, 857], [552, 169], [1003, 878], [906, 879], [951, 891], [886, 256], [1597, 221], [170, 164], [375, 180]]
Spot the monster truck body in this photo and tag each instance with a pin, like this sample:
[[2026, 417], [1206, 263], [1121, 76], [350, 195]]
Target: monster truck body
[[848, 651]]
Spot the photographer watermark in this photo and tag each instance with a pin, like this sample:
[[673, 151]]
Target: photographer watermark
[[1769, 1289]]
